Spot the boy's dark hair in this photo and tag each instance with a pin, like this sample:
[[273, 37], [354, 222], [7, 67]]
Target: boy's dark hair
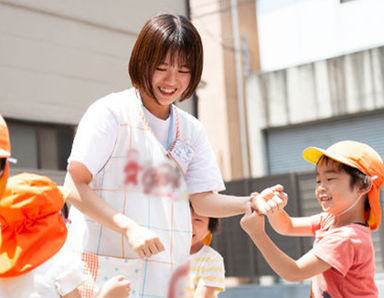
[[213, 224], [357, 177], [162, 34]]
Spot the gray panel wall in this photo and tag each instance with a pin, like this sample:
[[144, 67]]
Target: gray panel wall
[[285, 145]]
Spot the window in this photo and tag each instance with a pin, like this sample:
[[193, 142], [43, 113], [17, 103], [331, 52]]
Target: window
[[40, 145]]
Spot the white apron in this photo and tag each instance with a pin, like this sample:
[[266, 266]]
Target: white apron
[[142, 182]]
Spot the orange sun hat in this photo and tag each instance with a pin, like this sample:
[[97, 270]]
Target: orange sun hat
[[5, 152], [32, 229], [366, 160]]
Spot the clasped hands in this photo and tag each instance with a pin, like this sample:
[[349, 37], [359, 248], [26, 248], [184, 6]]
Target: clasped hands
[[269, 202]]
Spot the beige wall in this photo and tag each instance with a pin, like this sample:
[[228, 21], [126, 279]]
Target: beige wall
[[218, 102], [56, 57], [212, 103]]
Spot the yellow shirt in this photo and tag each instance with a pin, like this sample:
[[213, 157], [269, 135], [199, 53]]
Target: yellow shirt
[[206, 269]]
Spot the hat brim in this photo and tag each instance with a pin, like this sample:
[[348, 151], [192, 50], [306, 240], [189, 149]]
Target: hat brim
[[313, 155]]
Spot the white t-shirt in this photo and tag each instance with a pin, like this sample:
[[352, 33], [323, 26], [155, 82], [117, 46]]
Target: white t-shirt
[[97, 133], [56, 277], [159, 126]]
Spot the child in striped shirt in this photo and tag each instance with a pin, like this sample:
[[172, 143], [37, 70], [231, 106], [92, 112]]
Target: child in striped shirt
[[206, 275]]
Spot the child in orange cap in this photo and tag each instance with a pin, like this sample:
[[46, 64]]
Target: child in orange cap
[[349, 176], [33, 262]]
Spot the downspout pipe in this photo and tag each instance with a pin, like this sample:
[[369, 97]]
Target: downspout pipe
[[240, 89]]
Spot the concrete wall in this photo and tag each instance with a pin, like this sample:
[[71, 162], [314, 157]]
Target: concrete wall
[[218, 94], [56, 57], [319, 90], [212, 106]]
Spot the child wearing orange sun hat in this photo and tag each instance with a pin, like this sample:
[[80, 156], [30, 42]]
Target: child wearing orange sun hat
[[33, 260], [349, 175]]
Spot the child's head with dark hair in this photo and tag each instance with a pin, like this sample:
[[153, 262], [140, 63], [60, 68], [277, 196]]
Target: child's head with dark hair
[[202, 229], [357, 178], [349, 171], [214, 224]]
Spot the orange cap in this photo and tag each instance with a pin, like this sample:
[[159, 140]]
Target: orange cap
[[32, 229], [5, 147], [207, 239], [365, 159], [5, 152]]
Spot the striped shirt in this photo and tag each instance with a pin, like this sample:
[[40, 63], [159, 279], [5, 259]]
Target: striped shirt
[[206, 269]]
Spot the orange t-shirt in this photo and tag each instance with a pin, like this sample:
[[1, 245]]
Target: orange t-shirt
[[349, 250]]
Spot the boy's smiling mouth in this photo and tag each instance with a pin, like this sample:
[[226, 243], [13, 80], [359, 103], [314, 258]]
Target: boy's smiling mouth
[[325, 198]]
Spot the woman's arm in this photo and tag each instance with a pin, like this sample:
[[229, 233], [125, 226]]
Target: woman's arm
[[212, 204], [289, 269], [143, 241]]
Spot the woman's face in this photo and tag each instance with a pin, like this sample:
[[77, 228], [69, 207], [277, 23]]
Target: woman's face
[[169, 81]]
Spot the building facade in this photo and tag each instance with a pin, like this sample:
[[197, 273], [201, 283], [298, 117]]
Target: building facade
[[322, 80], [56, 58]]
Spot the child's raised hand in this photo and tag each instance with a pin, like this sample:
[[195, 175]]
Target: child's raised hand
[[252, 222], [270, 200], [144, 241], [116, 287]]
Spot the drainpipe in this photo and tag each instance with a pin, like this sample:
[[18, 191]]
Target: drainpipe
[[240, 88]]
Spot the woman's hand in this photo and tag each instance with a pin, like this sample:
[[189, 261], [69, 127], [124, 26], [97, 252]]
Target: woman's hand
[[143, 241]]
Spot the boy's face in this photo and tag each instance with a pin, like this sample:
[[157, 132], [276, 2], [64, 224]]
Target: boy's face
[[333, 187], [199, 227]]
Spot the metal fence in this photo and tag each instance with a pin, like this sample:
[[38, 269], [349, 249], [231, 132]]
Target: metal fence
[[242, 258]]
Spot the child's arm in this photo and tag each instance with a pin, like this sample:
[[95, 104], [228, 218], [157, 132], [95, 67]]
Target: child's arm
[[73, 294], [289, 269], [282, 223], [143, 241], [278, 218], [204, 292]]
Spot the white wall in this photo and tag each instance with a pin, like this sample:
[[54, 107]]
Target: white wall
[[56, 57], [293, 32]]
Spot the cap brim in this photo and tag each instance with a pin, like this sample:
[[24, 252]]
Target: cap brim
[[313, 155]]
